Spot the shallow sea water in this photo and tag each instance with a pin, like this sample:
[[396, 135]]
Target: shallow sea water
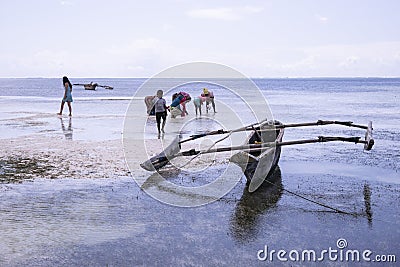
[[98, 222]]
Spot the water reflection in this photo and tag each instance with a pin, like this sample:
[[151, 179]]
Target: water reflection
[[157, 178], [47, 214], [244, 223], [367, 202], [67, 131]]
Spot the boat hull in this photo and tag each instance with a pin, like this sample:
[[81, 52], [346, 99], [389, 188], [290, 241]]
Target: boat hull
[[252, 166], [90, 86], [259, 165]]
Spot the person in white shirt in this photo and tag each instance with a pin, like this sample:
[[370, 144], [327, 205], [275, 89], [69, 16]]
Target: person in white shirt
[[160, 108]]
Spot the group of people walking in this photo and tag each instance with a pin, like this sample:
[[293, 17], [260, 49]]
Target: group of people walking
[[156, 105]]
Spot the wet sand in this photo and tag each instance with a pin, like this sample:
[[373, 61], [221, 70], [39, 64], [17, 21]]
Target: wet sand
[[99, 221], [33, 156]]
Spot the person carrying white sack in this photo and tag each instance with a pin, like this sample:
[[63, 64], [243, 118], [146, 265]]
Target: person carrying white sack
[[150, 101]]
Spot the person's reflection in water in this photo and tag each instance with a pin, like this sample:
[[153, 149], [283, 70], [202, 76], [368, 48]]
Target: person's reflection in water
[[67, 131], [367, 202], [244, 222]]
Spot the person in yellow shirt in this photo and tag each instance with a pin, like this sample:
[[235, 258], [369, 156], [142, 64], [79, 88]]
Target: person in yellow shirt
[[208, 94]]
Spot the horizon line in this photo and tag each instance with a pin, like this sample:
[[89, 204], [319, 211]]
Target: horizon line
[[286, 77]]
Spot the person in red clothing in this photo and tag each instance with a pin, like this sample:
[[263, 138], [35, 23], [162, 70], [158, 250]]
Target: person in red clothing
[[181, 98]]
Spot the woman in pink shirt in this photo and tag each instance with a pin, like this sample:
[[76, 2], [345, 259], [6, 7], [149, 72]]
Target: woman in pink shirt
[[181, 98]]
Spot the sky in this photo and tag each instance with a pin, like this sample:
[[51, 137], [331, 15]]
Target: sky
[[276, 38]]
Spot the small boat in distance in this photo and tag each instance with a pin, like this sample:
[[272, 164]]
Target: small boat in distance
[[92, 86]]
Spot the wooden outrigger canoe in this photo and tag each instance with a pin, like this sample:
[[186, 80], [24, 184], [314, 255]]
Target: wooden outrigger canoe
[[93, 86], [260, 154]]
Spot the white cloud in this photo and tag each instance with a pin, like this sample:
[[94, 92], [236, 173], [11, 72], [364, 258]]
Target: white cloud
[[321, 19], [373, 59], [137, 48], [66, 3], [252, 9], [308, 63], [215, 13], [397, 56], [146, 57], [139, 58], [167, 27], [349, 61], [223, 13], [148, 43]]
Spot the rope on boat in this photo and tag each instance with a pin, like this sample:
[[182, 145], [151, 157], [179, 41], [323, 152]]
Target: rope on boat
[[228, 134], [313, 201], [331, 208]]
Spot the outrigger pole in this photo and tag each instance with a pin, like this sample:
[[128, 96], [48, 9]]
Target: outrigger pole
[[257, 126], [97, 85], [252, 147], [320, 123]]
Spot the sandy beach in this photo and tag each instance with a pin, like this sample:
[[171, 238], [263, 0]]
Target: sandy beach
[[35, 156]]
